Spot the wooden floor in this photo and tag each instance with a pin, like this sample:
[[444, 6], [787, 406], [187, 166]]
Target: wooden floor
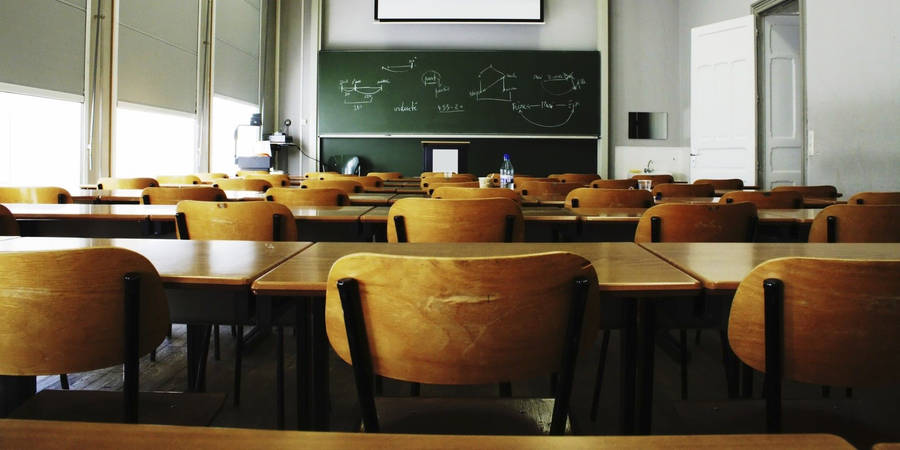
[[872, 413]]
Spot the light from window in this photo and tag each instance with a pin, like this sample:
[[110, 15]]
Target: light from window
[[40, 141], [151, 142], [227, 114]]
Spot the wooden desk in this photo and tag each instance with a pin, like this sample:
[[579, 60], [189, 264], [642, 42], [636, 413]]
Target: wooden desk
[[690, 200], [623, 270], [372, 198], [83, 219], [40, 434]]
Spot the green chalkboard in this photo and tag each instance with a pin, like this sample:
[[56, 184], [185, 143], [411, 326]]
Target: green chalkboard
[[459, 92]]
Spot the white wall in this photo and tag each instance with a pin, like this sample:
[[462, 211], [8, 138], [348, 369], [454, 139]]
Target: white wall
[[853, 94]]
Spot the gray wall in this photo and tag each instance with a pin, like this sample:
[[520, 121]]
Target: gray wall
[[853, 94]]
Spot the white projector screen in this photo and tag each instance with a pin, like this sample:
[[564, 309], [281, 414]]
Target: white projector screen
[[459, 10]]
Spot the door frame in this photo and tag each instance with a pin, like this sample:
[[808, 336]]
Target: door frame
[[760, 9]]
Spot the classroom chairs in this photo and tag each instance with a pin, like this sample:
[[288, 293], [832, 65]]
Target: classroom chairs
[[629, 183], [464, 220], [126, 183], [577, 178], [369, 181], [655, 179], [823, 191], [735, 184], [292, 197], [819, 321], [172, 195], [455, 191], [450, 324], [856, 223], [318, 175], [385, 175], [766, 200], [349, 186], [875, 198], [43, 194], [276, 180], [430, 184], [112, 314], [242, 184], [8, 224], [209, 177], [609, 198], [178, 179], [539, 189], [666, 190]]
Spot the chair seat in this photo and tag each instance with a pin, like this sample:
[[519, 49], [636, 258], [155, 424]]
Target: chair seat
[[167, 408], [480, 416]]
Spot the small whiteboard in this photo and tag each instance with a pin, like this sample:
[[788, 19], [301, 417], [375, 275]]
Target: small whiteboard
[[445, 160]]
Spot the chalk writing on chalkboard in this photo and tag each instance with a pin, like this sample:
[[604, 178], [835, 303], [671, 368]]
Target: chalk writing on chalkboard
[[356, 94], [560, 84], [400, 68], [433, 78], [552, 115], [494, 85]]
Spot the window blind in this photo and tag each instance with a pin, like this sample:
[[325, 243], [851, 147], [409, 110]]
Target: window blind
[[236, 72]]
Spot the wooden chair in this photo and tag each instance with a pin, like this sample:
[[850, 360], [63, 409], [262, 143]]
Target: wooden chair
[[385, 175], [875, 198], [249, 221], [765, 200], [247, 173], [242, 184], [723, 184], [276, 180], [666, 190], [172, 195], [208, 177], [335, 176], [629, 183], [810, 191], [519, 179], [112, 314], [291, 197], [46, 194], [451, 324], [609, 198], [468, 220], [178, 179], [348, 186], [542, 188], [583, 179], [8, 224], [856, 223], [455, 191], [493, 179], [454, 175], [820, 321], [369, 181], [425, 182], [317, 175], [126, 183], [429, 186], [655, 179]]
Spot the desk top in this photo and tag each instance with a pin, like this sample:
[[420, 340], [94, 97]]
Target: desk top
[[372, 198], [691, 200], [531, 214], [621, 267], [722, 266], [40, 434], [85, 211], [183, 262], [805, 215]]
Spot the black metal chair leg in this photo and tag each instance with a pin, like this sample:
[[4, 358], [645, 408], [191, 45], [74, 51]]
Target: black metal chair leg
[[697, 337], [848, 392], [684, 357], [415, 389], [826, 391], [279, 377], [505, 389], [598, 382], [238, 350], [216, 349], [379, 384], [64, 381], [153, 355]]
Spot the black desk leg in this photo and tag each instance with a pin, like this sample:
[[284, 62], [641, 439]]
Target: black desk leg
[[647, 323], [319, 352], [628, 368], [304, 384], [279, 376], [197, 351]]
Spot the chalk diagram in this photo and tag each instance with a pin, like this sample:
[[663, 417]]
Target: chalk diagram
[[401, 68], [358, 95], [560, 84], [433, 78], [553, 115], [492, 85]]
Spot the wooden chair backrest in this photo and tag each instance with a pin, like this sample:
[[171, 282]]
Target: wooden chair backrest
[[519, 179], [811, 191], [43, 194], [856, 223], [242, 184], [840, 320], [461, 320], [248, 221], [317, 175], [609, 198], [173, 195], [493, 179], [348, 186], [210, 176], [276, 180], [425, 182], [335, 176], [726, 183], [533, 187], [246, 173], [463, 220], [765, 200], [369, 181], [126, 183], [386, 175], [8, 224], [430, 186], [666, 190], [577, 178], [456, 191], [683, 222], [655, 179], [875, 198], [56, 317], [291, 197], [178, 179], [628, 183]]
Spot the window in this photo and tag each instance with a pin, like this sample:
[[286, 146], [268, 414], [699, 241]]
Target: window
[[151, 142], [40, 140], [227, 113]]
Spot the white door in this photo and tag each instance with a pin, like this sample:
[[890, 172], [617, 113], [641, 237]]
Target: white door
[[782, 127], [723, 100]]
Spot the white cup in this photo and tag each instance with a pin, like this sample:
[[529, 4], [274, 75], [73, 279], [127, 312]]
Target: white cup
[[645, 185], [484, 182]]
